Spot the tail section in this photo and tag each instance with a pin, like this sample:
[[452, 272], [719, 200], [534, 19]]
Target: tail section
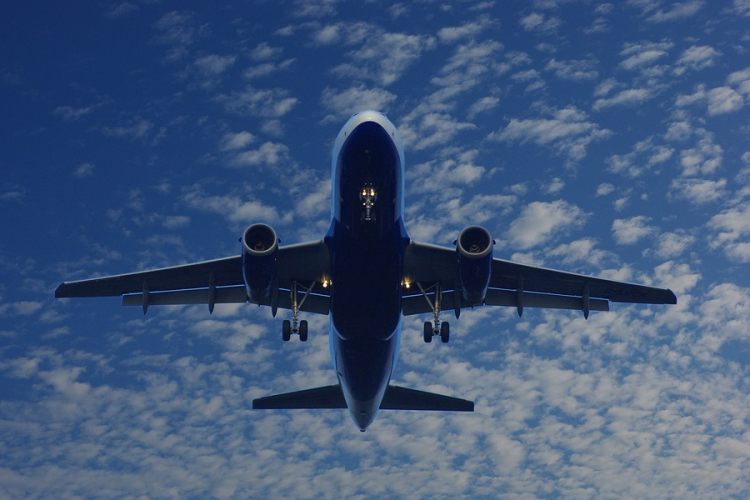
[[396, 398], [401, 398]]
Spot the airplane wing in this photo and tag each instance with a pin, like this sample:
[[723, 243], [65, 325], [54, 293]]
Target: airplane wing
[[517, 285], [214, 281]]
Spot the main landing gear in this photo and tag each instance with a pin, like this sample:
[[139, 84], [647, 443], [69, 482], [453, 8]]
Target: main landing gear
[[295, 326], [438, 329]]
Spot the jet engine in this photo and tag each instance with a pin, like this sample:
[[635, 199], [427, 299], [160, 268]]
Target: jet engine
[[260, 248], [474, 250]]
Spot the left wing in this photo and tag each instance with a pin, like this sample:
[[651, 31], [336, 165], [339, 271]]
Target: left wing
[[214, 281], [518, 285]]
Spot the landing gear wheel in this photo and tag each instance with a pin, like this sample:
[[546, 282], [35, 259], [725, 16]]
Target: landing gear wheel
[[303, 330], [286, 330], [445, 332], [427, 332]]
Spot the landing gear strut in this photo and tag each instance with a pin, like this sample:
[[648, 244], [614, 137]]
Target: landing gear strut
[[295, 326], [438, 329]]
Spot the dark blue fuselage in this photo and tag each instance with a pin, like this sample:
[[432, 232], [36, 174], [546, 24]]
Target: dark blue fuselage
[[367, 240]]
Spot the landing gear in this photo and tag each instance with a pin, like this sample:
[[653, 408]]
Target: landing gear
[[295, 326], [444, 331], [367, 196], [437, 328]]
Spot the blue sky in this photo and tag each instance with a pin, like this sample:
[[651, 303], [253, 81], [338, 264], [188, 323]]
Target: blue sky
[[603, 138]]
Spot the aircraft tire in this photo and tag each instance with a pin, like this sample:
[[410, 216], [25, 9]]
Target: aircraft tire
[[303, 330], [286, 330], [445, 332], [427, 332]]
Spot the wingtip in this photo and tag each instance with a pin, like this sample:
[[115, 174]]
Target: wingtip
[[673, 298]]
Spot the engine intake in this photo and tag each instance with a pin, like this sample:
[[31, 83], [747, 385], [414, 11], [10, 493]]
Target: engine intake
[[474, 250], [260, 248]]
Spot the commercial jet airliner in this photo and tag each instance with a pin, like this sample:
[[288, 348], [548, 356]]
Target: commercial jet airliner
[[366, 273]]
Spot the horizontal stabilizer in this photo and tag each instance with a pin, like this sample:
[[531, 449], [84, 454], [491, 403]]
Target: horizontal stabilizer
[[396, 398], [401, 398], [318, 398]]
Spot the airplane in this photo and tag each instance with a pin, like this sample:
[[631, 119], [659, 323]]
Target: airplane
[[366, 274]]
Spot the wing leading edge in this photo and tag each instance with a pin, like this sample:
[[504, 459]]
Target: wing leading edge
[[519, 285]]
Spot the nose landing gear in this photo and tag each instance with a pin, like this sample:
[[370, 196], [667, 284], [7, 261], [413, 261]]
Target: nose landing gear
[[367, 196]]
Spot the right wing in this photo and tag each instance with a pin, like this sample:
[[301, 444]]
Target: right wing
[[519, 285], [214, 282]]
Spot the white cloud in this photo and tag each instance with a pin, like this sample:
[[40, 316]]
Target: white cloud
[[645, 156], [468, 30], [178, 31], [457, 170], [540, 222], [627, 97], [237, 210], [630, 231], [539, 23], [568, 132], [83, 170], [265, 103], [213, 64], [643, 54], [573, 70], [483, 105], [696, 58], [136, 129], [69, 113], [705, 158], [724, 100], [343, 103], [730, 225], [269, 153], [699, 191], [384, 57], [423, 129], [741, 7], [673, 244], [236, 141], [264, 52], [741, 80], [679, 11], [604, 189]]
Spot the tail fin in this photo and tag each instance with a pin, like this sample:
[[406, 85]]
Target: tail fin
[[396, 398]]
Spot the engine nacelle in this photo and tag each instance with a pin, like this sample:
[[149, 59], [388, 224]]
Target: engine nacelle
[[474, 250], [260, 249]]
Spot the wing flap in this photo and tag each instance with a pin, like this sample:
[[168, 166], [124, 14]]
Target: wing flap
[[314, 303], [416, 304], [530, 299]]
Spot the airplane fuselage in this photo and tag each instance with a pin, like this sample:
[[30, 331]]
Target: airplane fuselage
[[367, 240]]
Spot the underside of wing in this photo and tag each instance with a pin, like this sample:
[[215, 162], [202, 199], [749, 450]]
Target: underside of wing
[[435, 270], [301, 267]]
